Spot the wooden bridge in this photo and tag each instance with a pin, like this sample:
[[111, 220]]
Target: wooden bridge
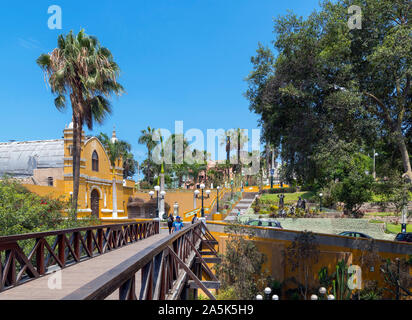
[[129, 261]]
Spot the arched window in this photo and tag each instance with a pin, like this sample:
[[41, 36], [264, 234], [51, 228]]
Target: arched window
[[95, 161]]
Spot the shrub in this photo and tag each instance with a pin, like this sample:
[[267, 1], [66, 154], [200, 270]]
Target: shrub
[[24, 212], [240, 270], [354, 190], [280, 190]]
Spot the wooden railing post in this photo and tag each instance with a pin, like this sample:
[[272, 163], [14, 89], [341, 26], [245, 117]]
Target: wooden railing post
[[99, 235], [11, 272], [41, 268], [89, 241], [61, 249], [76, 244]]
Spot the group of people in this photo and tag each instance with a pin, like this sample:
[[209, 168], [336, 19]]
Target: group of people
[[177, 225]]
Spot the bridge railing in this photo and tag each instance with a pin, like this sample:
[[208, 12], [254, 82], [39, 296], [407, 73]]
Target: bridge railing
[[28, 256], [164, 267]]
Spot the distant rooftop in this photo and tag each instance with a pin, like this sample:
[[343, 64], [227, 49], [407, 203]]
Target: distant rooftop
[[21, 158]]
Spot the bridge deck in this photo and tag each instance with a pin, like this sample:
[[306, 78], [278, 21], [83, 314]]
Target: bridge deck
[[77, 275]]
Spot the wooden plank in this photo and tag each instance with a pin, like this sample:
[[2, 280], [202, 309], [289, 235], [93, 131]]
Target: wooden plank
[[207, 284]]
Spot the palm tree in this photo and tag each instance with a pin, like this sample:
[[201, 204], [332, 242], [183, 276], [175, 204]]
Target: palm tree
[[241, 139], [80, 69], [129, 163], [146, 139]]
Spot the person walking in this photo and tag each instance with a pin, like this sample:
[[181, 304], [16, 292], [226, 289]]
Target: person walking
[[170, 221], [177, 225], [195, 219]]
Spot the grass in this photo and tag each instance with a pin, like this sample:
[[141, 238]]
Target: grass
[[396, 228], [376, 221], [380, 214], [289, 197]]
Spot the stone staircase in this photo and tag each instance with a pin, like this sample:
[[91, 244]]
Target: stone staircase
[[243, 205]]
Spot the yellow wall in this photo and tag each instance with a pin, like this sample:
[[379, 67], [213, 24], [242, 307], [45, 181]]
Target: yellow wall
[[329, 254]]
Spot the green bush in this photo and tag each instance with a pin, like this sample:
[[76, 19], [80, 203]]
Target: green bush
[[24, 212], [354, 190], [280, 190]]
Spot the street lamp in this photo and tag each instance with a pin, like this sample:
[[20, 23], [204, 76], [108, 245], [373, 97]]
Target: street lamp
[[313, 297], [217, 199], [322, 291], [331, 297], [259, 297], [320, 201], [176, 209], [202, 187], [275, 297], [162, 194], [267, 292], [374, 160]]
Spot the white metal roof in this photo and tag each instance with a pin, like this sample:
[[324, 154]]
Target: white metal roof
[[21, 158]]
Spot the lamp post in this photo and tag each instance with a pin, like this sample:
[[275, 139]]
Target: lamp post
[[267, 292], [259, 297], [331, 297], [275, 297], [313, 297], [202, 187], [157, 188], [217, 199], [374, 160], [176, 209], [320, 201], [322, 291], [196, 193], [162, 197]]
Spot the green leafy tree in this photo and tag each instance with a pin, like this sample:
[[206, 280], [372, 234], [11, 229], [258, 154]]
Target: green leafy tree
[[240, 270], [85, 72], [301, 256], [146, 138], [330, 81], [24, 212], [124, 150]]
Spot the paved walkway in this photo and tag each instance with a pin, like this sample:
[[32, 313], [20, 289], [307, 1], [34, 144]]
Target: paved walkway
[[77, 275]]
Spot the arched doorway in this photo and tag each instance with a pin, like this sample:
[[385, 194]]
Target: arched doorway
[[94, 200]]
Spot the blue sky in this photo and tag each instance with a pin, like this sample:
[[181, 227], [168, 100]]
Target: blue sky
[[180, 60]]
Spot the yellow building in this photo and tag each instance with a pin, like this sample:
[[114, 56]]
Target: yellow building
[[45, 167]]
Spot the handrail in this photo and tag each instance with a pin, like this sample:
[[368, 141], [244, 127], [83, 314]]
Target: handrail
[[69, 246], [159, 269]]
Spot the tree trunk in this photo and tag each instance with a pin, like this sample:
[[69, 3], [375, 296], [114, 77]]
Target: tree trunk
[[405, 155], [148, 165], [77, 138]]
